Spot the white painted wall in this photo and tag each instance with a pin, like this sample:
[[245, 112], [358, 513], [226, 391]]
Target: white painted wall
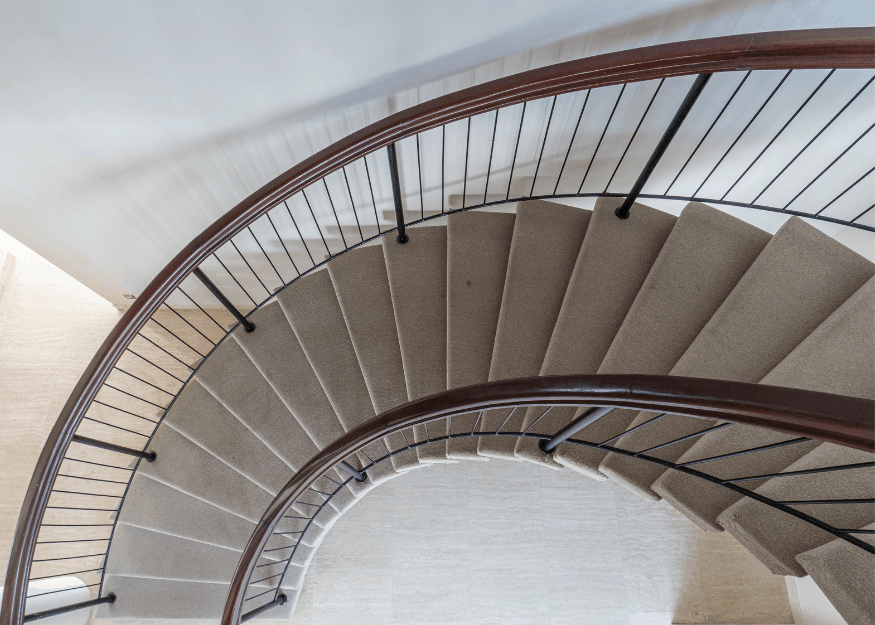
[[128, 127], [810, 606]]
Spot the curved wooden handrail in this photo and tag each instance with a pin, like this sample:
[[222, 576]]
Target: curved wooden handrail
[[826, 48], [848, 421]]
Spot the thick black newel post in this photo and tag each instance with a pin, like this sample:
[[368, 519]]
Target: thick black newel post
[[212, 288], [360, 476], [396, 193], [692, 95], [592, 415], [110, 598], [280, 600], [145, 455]]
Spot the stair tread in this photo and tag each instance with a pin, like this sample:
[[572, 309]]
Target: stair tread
[[156, 506], [614, 260], [845, 574], [152, 598], [835, 358], [231, 376], [755, 525], [139, 552], [417, 272], [193, 470], [801, 277], [698, 264], [362, 286], [478, 246], [226, 437], [544, 247], [314, 313]]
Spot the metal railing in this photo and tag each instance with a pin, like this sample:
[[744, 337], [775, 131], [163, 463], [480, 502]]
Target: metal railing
[[780, 126], [806, 415]]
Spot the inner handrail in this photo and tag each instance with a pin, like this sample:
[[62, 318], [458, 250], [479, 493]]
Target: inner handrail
[[847, 421]]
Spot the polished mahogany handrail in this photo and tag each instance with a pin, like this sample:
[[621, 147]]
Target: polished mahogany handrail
[[847, 421], [826, 48]]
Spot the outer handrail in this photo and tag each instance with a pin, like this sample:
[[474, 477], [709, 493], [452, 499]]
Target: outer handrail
[[847, 421], [824, 48]]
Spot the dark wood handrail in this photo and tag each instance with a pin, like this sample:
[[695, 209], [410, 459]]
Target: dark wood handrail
[[826, 48], [848, 421]]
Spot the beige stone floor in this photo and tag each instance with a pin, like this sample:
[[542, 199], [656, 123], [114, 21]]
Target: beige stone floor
[[508, 542]]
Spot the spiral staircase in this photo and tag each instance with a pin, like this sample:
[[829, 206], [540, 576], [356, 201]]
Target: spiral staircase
[[265, 435]]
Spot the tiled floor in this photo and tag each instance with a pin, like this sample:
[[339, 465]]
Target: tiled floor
[[505, 542]]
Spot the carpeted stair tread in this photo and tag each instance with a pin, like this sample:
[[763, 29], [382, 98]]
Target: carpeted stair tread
[[614, 260], [139, 552], [156, 506], [362, 286], [846, 575], [417, 273], [478, 245], [151, 598], [698, 265], [231, 376], [312, 309], [776, 538], [801, 277], [279, 357], [836, 358], [544, 247], [187, 467], [226, 437]]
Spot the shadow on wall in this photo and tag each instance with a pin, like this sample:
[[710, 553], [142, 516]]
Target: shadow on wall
[[170, 197]]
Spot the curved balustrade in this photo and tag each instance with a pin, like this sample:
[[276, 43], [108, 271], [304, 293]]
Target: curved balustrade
[[533, 135], [806, 414]]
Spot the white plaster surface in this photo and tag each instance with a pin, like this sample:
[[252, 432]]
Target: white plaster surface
[[508, 542]]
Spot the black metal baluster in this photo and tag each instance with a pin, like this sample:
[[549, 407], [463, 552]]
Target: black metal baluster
[[352, 203], [218, 325], [110, 598], [634, 134], [283, 243], [396, 193], [744, 130], [543, 145], [808, 145], [316, 221], [234, 245], [373, 199], [775, 138], [692, 95], [248, 326], [708, 132], [298, 230], [854, 184], [465, 177], [148, 456], [261, 247], [601, 138], [419, 171], [333, 210], [571, 143], [590, 416], [443, 164], [515, 149], [237, 282], [359, 476], [491, 150], [280, 600]]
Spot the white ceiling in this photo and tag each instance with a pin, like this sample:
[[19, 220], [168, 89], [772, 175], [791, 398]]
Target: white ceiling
[[128, 127]]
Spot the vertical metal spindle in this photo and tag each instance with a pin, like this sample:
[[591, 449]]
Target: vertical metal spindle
[[212, 288], [280, 600], [692, 95], [149, 456], [587, 418], [396, 193]]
